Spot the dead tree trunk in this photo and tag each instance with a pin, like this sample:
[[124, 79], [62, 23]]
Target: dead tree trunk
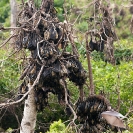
[[13, 5], [29, 116]]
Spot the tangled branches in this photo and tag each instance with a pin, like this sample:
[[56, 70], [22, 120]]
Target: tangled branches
[[102, 34], [46, 38], [41, 33]]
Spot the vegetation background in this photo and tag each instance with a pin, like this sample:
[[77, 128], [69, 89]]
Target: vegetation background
[[116, 81]]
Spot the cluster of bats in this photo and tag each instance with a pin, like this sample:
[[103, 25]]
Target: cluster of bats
[[47, 38], [89, 114]]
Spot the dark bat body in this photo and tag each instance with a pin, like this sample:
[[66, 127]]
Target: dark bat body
[[98, 46]]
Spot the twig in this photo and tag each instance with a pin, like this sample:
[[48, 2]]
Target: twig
[[28, 69], [32, 87], [3, 114], [70, 36], [37, 22], [81, 91], [16, 116], [89, 66], [38, 49], [10, 55], [22, 2], [130, 110], [86, 6], [77, 18], [7, 40], [118, 92], [65, 10], [62, 82], [62, 35], [73, 45], [9, 28]]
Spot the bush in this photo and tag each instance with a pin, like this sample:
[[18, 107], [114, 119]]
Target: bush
[[57, 127]]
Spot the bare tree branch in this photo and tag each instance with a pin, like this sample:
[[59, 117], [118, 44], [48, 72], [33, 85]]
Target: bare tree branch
[[32, 87], [8, 39], [89, 66]]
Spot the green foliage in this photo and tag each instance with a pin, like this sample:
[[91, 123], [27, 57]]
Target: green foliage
[[123, 53], [4, 10], [10, 72], [97, 56], [124, 43], [58, 4], [107, 78], [112, 78], [127, 131], [9, 130], [57, 127], [82, 26], [53, 112], [130, 123]]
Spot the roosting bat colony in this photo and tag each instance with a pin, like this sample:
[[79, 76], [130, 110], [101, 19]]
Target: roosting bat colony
[[41, 32]]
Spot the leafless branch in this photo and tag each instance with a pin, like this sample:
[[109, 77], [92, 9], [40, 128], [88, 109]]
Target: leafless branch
[[89, 66], [22, 2], [118, 92], [28, 69], [62, 82], [10, 55], [9, 28], [32, 87], [7, 40], [130, 110], [81, 91]]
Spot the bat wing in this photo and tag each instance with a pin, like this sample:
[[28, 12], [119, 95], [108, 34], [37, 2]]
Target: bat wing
[[113, 118]]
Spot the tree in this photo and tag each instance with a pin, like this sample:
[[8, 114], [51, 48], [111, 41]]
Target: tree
[[46, 38], [14, 11]]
